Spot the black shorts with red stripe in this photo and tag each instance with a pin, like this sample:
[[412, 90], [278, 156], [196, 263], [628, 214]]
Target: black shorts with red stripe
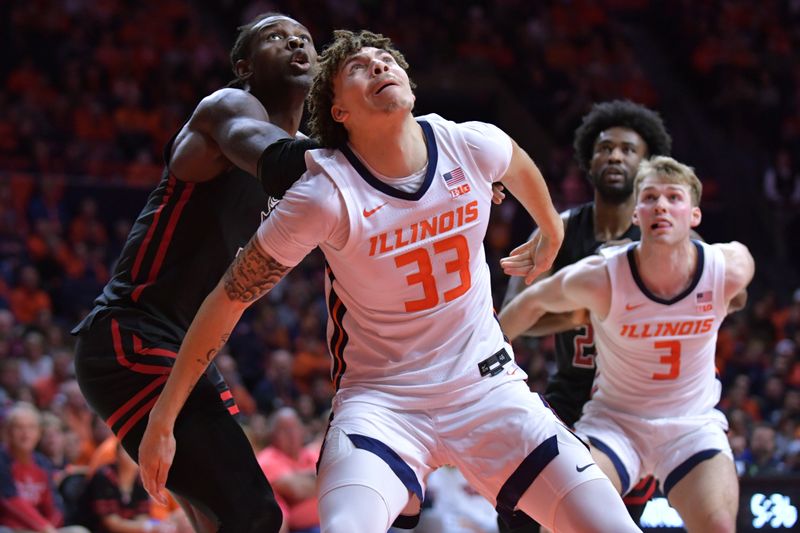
[[122, 367]]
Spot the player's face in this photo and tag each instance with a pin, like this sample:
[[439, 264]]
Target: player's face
[[616, 157], [664, 211], [370, 82], [282, 50]]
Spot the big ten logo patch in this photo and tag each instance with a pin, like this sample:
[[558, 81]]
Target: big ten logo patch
[[458, 191]]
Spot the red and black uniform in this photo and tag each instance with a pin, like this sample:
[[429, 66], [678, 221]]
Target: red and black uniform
[[104, 497], [179, 247]]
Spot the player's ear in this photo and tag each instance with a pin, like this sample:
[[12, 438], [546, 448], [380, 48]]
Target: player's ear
[[697, 216], [635, 218], [338, 113], [243, 69]]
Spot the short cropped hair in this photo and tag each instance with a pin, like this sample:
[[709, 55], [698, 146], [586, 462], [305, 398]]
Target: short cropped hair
[[670, 171], [243, 45], [320, 99], [623, 114]]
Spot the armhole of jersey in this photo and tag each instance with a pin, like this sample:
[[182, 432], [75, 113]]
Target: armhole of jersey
[[612, 269], [474, 164], [720, 264], [333, 173]]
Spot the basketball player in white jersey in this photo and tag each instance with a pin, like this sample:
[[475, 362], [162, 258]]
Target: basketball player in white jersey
[[656, 307], [423, 375]]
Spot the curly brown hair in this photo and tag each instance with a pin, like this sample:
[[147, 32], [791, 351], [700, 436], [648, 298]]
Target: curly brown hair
[[625, 114], [320, 99]]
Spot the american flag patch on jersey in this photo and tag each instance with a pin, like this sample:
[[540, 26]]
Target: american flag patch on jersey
[[454, 177], [705, 297]]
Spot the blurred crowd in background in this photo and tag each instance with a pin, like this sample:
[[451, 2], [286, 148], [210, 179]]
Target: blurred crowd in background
[[91, 90]]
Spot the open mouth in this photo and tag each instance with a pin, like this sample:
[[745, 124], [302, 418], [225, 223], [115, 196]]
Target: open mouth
[[299, 58], [661, 224], [614, 173], [384, 85]]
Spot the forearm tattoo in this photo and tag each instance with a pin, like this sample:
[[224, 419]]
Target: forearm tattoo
[[252, 274], [212, 353]]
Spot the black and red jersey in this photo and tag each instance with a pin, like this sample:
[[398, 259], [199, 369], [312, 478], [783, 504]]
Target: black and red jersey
[[182, 242]]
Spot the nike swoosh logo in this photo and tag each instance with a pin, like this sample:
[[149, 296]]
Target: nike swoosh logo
[[629, 307], [582, 468], [368, 213]]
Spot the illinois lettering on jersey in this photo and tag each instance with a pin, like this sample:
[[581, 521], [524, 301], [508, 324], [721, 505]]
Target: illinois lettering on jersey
[[657, 349], [409, 295]]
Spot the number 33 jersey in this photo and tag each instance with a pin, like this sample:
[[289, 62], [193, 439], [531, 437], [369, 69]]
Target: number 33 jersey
[[407, 284], [655, 357]]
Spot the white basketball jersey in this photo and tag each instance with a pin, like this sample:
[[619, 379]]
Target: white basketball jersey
[[409, 298], [655, 356]]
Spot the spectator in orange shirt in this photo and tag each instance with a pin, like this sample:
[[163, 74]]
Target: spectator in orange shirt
[[290, 467], [27, 298]]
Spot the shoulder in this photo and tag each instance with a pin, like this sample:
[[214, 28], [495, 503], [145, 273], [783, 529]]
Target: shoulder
[[322, 160], [226, 97], [473, 131], [739, 263], [588, 282], [315, 190], [228, 102], [483, 132], [588, 273]]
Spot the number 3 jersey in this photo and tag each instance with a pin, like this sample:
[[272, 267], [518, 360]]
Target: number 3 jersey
[[656, 356], [408, 288]]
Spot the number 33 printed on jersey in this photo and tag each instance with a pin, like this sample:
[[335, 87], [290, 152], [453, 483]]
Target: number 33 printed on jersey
[[455, 246]]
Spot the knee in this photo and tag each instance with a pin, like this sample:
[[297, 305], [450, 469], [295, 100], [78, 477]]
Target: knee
[[720, 521]]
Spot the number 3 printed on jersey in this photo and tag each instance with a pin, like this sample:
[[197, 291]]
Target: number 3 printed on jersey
[[424, 275], [673, 359]]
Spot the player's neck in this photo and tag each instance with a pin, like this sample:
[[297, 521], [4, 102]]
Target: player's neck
[[285, 110], [666, 270], [611, 220], [286, 119], [393, 148]]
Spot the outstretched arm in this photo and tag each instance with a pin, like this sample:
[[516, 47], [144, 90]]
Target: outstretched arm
[[550, 322], [251, 275], [583, 285], [527, 184]]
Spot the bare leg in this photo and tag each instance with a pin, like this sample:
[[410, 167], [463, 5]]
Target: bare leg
[[707, 498], [605, 464]]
